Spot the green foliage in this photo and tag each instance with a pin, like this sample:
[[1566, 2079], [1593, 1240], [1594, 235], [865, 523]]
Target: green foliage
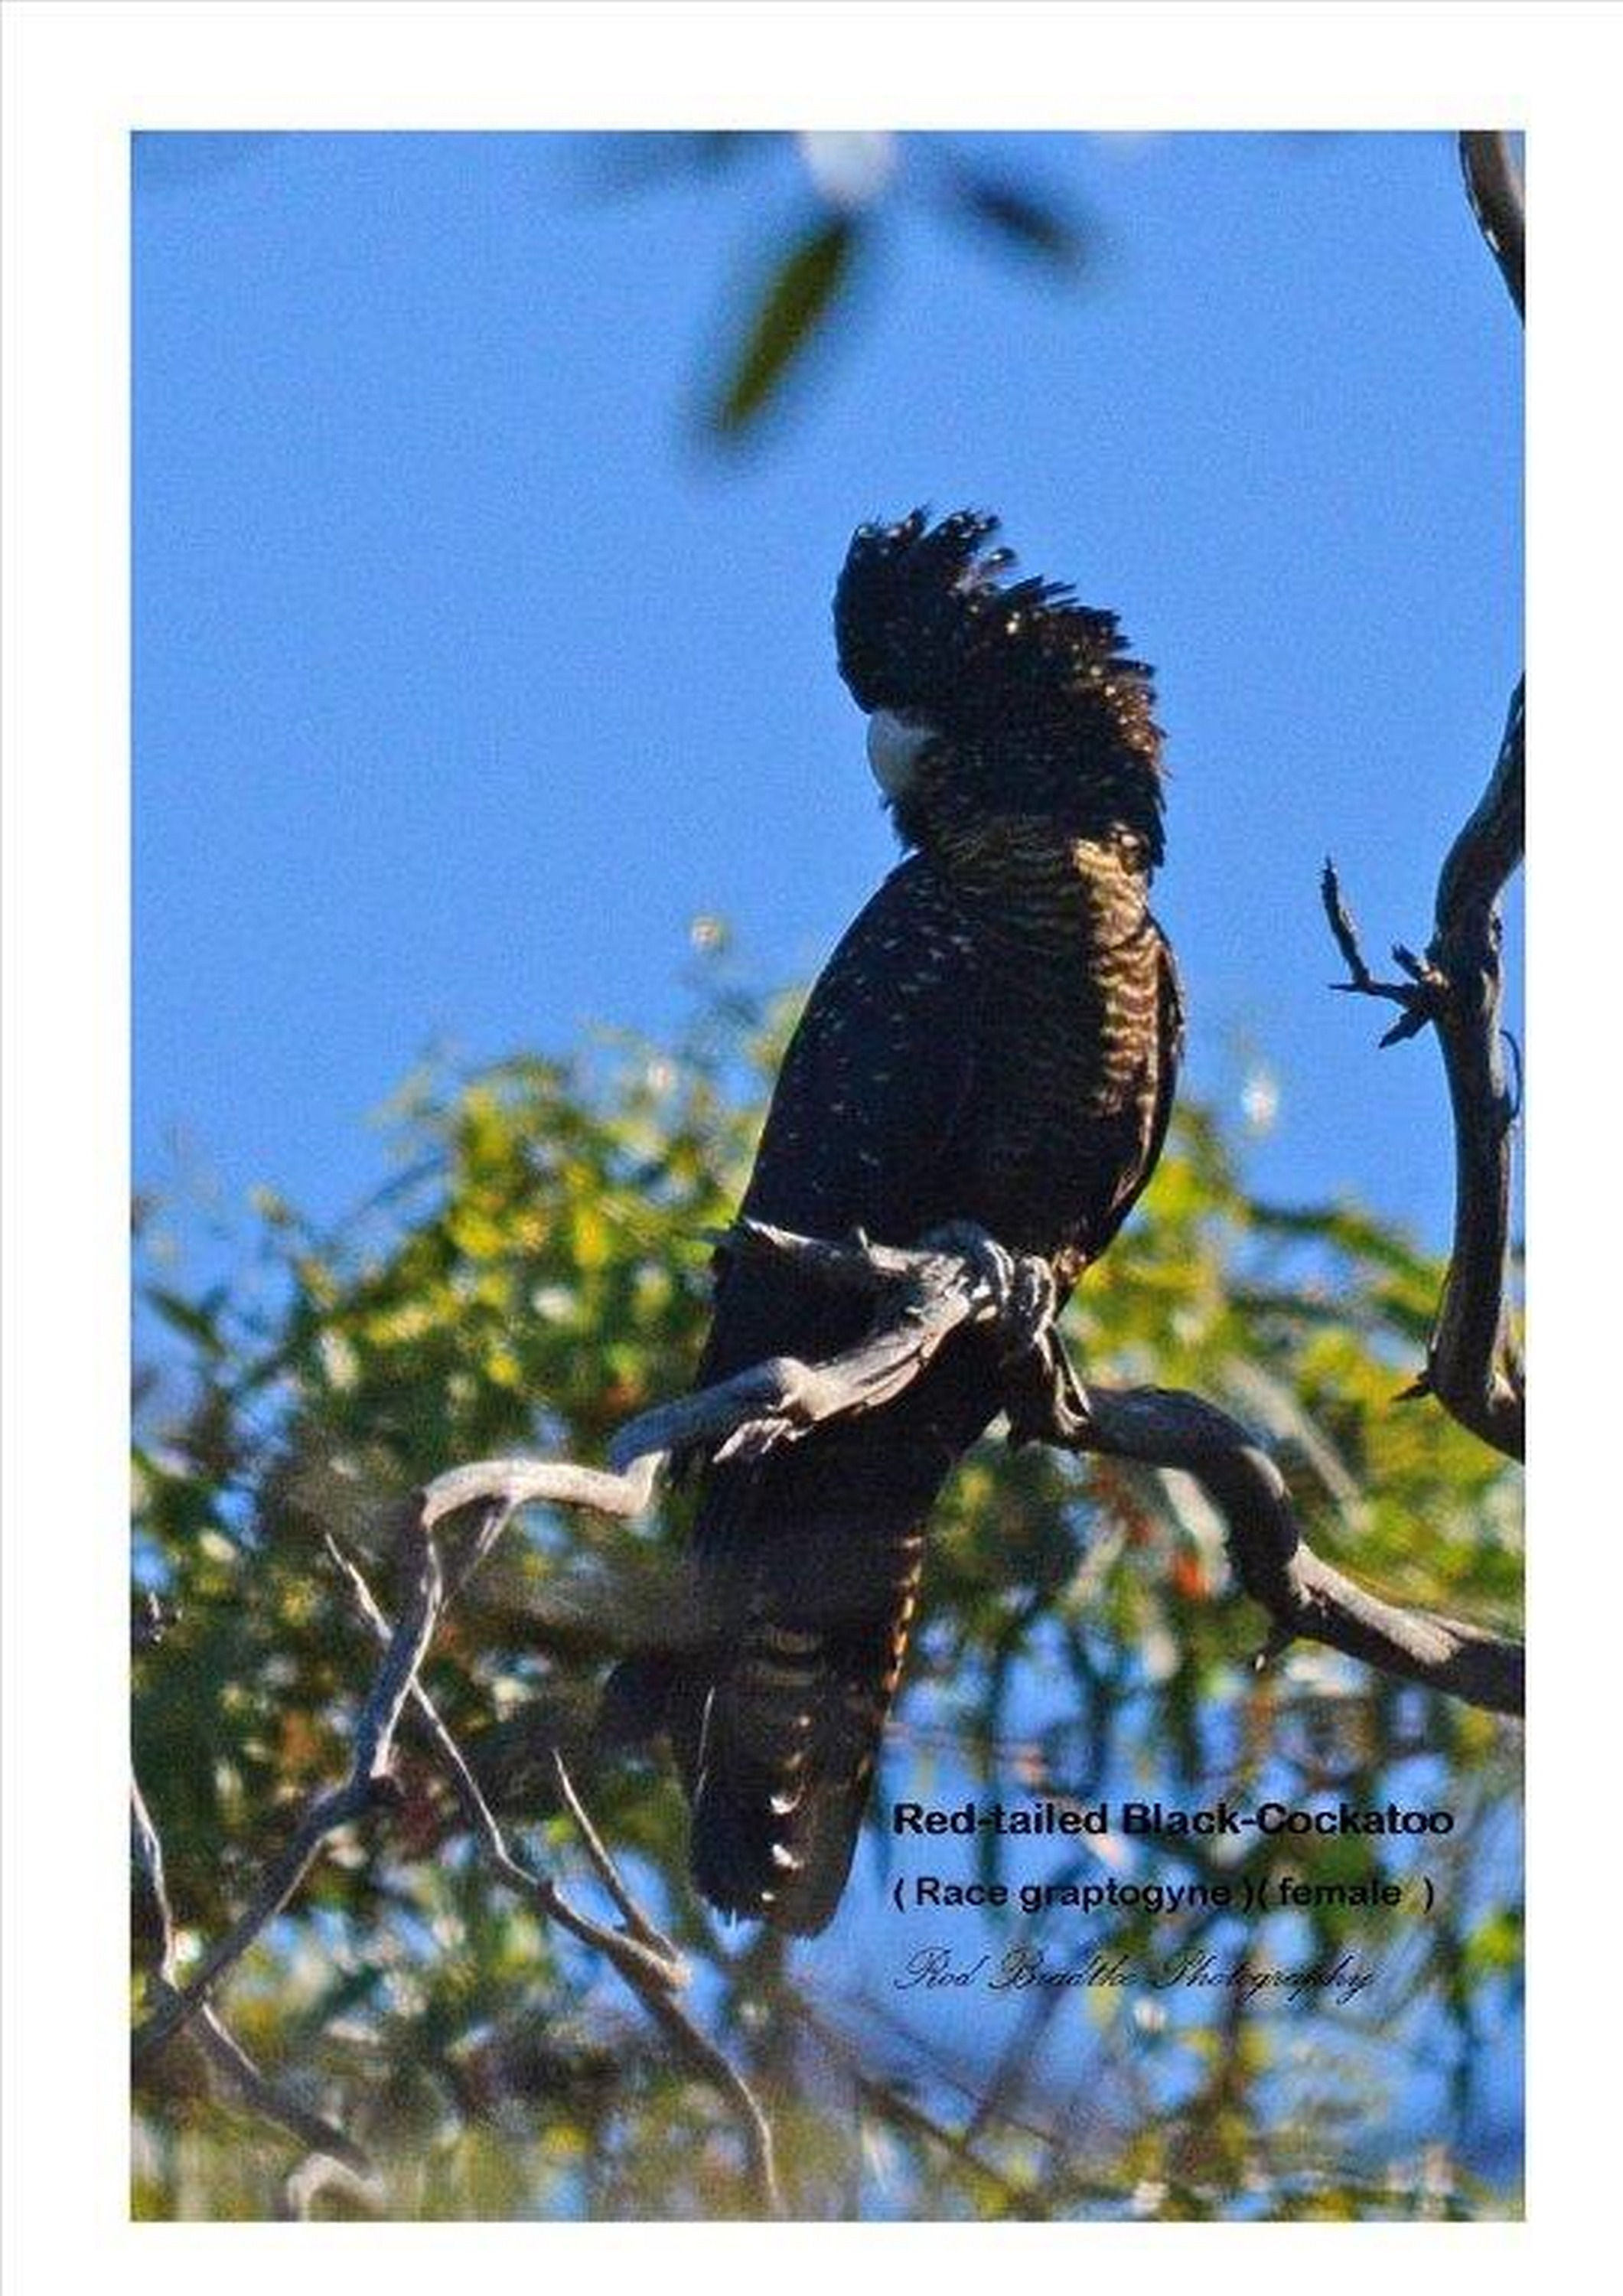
[[808, 275], [806, 267], [537, 1272]]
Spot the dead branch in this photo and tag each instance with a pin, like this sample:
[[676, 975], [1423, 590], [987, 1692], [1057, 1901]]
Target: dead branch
[[1305, 1597], [326, 2147], [367, 1787], [1473, 1362], [640, 1953], [920, 1298]]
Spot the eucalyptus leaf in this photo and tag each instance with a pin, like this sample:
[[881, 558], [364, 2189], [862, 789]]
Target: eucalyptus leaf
[[1031, 222], [799, 296]]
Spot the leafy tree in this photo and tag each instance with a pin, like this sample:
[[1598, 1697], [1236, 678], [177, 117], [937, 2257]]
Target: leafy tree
[[536, 1273]]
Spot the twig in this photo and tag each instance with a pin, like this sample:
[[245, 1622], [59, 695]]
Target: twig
[[888, 2103], [609, 1874], [1027, 2196], [1474, 1365], [368, 1786], [219, 2046], [645, 1960], [271, 2101], [647, 1956]]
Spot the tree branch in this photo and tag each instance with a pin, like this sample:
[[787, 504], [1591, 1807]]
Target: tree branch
[[932, 1293], [218, 2046], [1494, 188], [368, 1786], [640, 1953], [642, 1956], [1473, 1363], [1305, 1597], [920, 1298]]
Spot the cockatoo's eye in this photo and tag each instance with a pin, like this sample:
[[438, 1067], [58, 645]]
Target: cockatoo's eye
[[895, 744]]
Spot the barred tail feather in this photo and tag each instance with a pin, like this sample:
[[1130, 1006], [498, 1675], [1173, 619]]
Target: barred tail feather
[[778, 1730]]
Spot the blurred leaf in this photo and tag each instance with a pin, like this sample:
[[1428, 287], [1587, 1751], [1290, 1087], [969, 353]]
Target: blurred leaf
[[196, 1319], [1035, 224], [799, 297]]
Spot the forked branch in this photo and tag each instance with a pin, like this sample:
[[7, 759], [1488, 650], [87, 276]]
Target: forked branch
[[639, 1953], [1473, 1361]]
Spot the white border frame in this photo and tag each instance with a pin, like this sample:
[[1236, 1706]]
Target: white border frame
[[80, 77]]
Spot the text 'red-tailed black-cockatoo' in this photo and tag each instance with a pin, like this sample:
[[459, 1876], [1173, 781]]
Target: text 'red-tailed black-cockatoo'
[[995, 1040]]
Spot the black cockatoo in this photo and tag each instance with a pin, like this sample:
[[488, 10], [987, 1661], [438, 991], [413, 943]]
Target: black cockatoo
[[995, 1040]]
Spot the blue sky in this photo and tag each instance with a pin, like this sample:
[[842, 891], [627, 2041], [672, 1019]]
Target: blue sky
[[466, 677]]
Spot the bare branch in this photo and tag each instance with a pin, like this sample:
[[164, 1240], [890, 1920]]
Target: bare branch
[[154, 1919], [1305, 1597], [920, 1298], [645, 1959], [1043, 2196], [609, 1874], [890, 2103], [218, 2046], [514, 1483], [368, 1786], [655, 1960], [323, 2143], [1474, 1365]]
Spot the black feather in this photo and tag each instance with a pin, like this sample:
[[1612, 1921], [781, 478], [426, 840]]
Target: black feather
[[1037, 706]]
